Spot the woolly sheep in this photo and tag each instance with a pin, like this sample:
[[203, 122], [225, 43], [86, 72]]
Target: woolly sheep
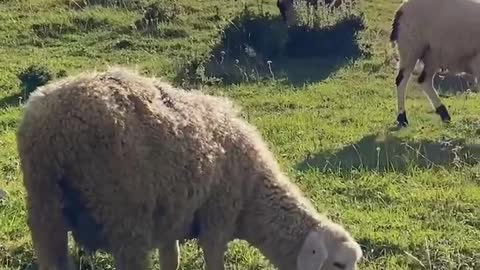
[[129, 164], [441, 35], [287, 9]]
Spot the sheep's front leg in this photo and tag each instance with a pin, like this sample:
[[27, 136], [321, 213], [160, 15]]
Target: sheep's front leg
[[216, 226], [132, 258], [169, 256], [213, 252], [214, 237]]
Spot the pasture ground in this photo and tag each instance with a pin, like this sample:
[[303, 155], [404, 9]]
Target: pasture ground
[[324, 99]]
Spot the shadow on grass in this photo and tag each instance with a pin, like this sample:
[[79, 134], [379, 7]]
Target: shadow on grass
[[260, 47], [10, 101], [393, 154], [374, 249]]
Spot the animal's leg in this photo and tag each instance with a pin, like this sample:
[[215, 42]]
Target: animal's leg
[[47, 227], [49, 237], [287, 10], [169, 256], [401, 81], [214, 251], [426, 80], [131, 258], [214, 233], [131, 242]]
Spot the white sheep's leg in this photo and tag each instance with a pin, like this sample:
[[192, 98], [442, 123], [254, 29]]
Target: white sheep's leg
[[401, 81], [426, 80], [169, 255]]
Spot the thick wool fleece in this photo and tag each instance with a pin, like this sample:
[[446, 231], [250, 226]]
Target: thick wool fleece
[[129, 163]]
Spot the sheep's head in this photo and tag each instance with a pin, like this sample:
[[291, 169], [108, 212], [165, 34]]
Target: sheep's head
[[332, 250], [287, 11]]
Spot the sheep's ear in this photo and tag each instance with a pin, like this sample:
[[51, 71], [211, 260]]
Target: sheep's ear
[[313, 253]]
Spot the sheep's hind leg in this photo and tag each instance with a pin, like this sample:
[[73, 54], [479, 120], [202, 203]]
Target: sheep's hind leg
[[47, 227], [169, 256], [426, 80], [401, 82], [50, 240]]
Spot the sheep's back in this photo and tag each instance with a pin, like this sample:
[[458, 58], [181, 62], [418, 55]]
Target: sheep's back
[[134, 152], [443, 23]]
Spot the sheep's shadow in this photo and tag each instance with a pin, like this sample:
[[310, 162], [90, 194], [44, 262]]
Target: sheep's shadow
[[255, 48], [375, 249], [10, 101], [393, 154]]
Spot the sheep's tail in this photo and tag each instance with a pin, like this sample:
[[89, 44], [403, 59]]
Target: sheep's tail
[[395, 27]]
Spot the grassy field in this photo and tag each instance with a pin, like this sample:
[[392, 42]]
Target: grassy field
[[322, 96]]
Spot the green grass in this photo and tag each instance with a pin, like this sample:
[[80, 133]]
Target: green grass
[[410, 197]]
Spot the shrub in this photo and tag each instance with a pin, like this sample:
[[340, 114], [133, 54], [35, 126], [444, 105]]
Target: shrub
[[128, 4], [51, 29], [155, 13], [33, 77]]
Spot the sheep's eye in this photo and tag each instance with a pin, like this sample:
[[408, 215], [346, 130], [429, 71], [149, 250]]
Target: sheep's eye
[[313, 251], [339, 265]]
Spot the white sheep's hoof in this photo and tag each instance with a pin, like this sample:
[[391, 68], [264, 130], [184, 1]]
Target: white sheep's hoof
[[402, 120], [443, 112]]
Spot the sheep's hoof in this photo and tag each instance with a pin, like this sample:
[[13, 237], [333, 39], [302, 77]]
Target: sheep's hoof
[[402, 120], [443, 112]]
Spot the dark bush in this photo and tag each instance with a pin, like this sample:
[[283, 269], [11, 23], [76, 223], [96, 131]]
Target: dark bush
[[62, 73], [123, 44], [33, 77]]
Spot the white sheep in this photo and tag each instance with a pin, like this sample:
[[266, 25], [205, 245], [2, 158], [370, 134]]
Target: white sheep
[[441, 35], [129, 163]]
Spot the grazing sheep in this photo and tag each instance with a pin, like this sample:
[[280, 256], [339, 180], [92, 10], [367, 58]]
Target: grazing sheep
[[441, 34], [129, 164], [287, 9]]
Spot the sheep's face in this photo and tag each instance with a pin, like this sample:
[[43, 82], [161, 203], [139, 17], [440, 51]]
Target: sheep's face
[[318, 253], [287, 11]]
